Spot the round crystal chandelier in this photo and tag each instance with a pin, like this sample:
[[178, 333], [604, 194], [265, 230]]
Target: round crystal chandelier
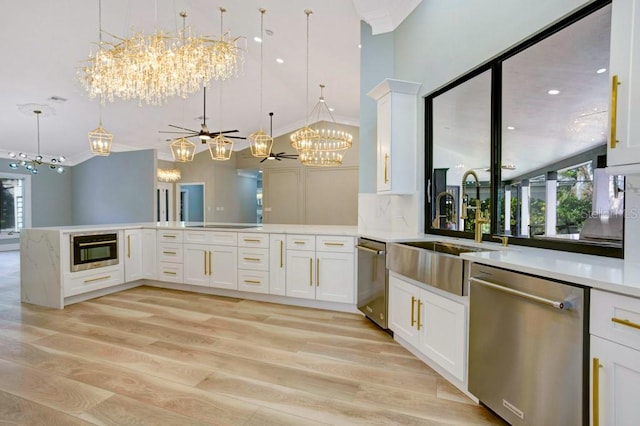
[[155, 67], [259, 142], [320, 146]]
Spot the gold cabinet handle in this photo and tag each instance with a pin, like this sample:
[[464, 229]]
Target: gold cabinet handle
[[595, 374], [625, 322], [281, 251], [169, 273], [251, 259], [252, 282], [418, 325], [413, 301], [299, 242], [311, 272], [614, 111], [92, 280], [169, 236], [386, 168], [129, 246], [318, 272], [169, 252], [334, 244], [205, 261], [251, 240], [210, 263]]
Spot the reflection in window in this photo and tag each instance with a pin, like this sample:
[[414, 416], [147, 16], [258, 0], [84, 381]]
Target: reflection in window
[[12, 207]]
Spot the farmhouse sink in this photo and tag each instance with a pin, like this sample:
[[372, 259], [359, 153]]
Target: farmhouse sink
[[435, 263]]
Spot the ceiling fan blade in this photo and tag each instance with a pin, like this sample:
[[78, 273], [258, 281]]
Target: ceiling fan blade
[[236, 137], [262, 161], [183, 128], [229, 131], [278, 158], [167, 131]]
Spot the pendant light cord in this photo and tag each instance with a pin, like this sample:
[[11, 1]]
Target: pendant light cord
[[306, 119], [38, 125], [100, 47], [262, 11]]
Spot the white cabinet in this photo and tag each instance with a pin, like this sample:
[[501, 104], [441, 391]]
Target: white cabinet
[[277, 265], [170, 256], [397, 109], [615, 359], [133, 256], [623, 153], [431, 323], [253, 262], [321, 267], [93, 279], [211, 265], [149, 251]]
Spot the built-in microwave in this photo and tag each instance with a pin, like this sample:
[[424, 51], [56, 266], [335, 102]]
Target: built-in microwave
[[93, 250]]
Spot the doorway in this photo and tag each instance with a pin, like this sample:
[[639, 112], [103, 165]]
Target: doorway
[[164, 202], [190, 202]]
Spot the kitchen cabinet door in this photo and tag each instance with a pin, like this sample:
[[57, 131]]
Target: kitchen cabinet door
[[277, 265], [300, 274], [443, 332], [223, 267], [615, 383], [149, 254], [623, 153], [133, 255], [403, 314], [196, 264], [335, 277]]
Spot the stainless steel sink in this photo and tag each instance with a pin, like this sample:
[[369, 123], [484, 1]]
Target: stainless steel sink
[[435, 263]]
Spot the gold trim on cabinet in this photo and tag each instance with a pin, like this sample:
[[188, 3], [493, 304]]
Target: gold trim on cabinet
[[318, 272], [252, 259], [169, 252], [251, 240], [210, 263], [129, 246], [299, 242], [252, 282], [413, 301], [614, 111], [169, 273], [91, 280], [595, 374], [311, 272], [205, 261], [334, 244], [418, 325], [169, 236], [625, 322]]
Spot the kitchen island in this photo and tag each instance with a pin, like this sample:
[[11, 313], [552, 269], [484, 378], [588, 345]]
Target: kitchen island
[[238, 260]]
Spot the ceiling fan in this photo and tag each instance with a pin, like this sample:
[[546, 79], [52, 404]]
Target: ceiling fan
[[280, 155], [203, 134]]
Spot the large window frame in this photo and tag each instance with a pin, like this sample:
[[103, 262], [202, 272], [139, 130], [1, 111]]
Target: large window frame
[[495, 67], [24, 208]]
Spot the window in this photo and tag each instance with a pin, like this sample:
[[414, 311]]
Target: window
[[527, 131], [14, 204]]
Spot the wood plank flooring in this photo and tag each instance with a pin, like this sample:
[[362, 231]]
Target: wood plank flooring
[[150, 356]]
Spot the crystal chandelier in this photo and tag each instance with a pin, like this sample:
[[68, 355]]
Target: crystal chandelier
[[169, 175], [31, 164], [320, 146], [183, 150], [155, 67], [259, 142]]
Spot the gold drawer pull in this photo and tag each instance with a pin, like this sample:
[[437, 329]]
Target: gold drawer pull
[[595, 374], [252, 259], [252, 240], [169, 273], [418, 324], [281, 249], [169, 236], [169, 252], [334, 244], [318, 272], [129, 246], [386, 168], [614, 111], [311, 272], [252, 282], [625, 322], [413, 301], [299, 243], [106, 277]]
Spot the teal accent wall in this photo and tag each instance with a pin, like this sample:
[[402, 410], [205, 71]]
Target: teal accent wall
[[119, 188]]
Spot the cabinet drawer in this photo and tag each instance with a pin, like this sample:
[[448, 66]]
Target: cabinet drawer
[[301, 242], [85, 281], [253, 281], [169, 236], [246, 239], [256, 259], [170, 253], [616, 318], [171, 272], [335, 244], [211, 237]]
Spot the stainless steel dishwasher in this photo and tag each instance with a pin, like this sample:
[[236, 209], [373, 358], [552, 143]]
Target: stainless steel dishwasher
[[526, 347], [373, 280]]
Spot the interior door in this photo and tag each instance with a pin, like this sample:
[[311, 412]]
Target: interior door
[[164, 205]]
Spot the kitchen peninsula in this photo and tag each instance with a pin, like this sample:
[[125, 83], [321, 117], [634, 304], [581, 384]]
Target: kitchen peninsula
[[65, 265]]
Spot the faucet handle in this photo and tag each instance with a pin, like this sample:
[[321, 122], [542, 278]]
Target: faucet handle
[[503, 238]]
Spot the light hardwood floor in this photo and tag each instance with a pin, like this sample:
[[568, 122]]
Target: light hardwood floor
[[150, 356]]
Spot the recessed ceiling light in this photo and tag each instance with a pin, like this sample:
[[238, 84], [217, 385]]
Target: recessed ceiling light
[[257, 39], [601, 70], [331, 109], [359, 46], [510, 128], [553, 92], [280, 60]]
